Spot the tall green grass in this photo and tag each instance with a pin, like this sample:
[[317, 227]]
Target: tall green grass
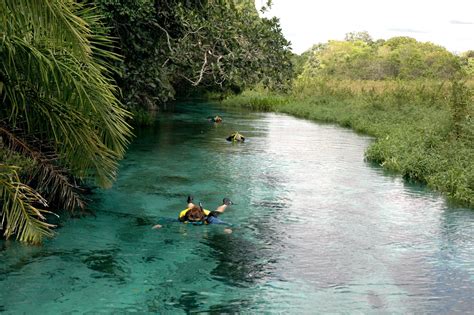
[[423, 130]]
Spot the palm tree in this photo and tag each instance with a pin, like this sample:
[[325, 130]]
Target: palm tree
[[59, 108]]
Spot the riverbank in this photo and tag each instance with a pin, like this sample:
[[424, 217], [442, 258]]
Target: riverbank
[[423, 130]]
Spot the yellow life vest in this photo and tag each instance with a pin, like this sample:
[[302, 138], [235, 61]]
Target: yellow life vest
[[183, 213]]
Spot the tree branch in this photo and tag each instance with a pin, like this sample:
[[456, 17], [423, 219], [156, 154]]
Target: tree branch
[[201, 73], [168, 37]]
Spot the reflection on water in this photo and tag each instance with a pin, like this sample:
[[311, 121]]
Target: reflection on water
[[315, 229]]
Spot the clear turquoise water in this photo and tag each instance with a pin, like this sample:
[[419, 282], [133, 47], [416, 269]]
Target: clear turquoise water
[[316, 230]]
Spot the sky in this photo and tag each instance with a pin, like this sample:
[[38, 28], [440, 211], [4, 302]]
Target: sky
[[442, 22]]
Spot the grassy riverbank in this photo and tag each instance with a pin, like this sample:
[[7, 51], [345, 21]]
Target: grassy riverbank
[[423, 130]]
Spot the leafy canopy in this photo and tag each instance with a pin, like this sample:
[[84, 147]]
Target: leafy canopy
[[174, 47]]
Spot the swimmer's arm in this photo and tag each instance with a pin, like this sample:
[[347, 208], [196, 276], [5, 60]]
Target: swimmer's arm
[[220, 209]]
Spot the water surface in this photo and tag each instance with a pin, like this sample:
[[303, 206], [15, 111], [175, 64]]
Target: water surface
[[316, 230]]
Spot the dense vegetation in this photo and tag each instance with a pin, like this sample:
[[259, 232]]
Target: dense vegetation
[[179, 47], [359, 57], [63, 121], [60, 120], [415, 98]]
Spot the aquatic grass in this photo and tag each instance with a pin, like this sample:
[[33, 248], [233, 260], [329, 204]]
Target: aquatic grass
[[424, 130]]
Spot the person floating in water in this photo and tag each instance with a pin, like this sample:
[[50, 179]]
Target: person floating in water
[[196, 214], [236, 137], [216, 119]]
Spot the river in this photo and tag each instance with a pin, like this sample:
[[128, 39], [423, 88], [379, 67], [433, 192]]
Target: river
[[316, 229]]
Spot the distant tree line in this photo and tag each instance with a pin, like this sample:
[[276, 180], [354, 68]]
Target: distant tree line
[[359, 57]]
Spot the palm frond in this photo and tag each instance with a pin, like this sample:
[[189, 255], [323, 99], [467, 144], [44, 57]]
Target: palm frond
[[51, 180], [55, 86], [19, 214], [60, 92]]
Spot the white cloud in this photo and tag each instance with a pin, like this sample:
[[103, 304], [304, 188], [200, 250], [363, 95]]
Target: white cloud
[[307, 22], [460, 22]]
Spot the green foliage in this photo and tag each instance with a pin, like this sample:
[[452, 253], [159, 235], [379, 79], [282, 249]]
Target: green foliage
[[411, 121], [359, 57], [59, 107], [172, 47], [299, 62], [467, 63], [256, 101], [25, 166], [49, 60], [142, 117], [18, 210], [460, 98]]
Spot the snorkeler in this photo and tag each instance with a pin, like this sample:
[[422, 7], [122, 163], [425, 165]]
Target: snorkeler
[[216, 119], [236, 137], [198, 215]]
